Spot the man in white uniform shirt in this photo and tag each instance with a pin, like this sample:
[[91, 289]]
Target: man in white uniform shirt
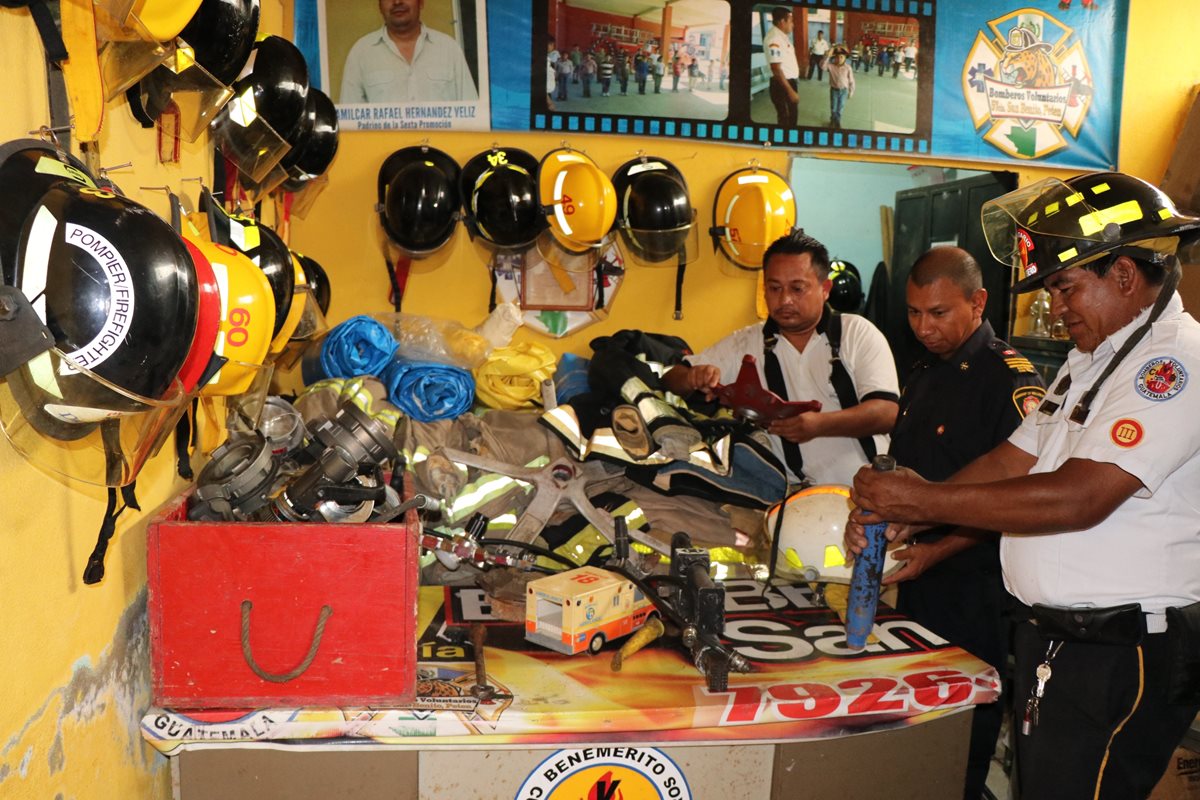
[[817, 50], [1096, 492], [405, 62], [785, 70], [796, 287]]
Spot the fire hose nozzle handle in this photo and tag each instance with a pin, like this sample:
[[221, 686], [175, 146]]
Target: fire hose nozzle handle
[[868, 571]]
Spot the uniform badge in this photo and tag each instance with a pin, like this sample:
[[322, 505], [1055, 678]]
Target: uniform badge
[[1160, 378], [1027, 398], [1127, 432]]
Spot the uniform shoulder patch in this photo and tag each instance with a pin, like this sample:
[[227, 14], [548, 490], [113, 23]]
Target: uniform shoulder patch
[[1027, 399], [1160, 378], [1127, 432], [1011, 358]]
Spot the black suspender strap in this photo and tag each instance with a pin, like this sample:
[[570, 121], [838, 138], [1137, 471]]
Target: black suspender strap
[[680, 268], [839, 376], [775, 382]]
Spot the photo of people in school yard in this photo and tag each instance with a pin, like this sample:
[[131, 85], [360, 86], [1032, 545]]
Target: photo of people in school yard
[[833, 69], [617, 57]]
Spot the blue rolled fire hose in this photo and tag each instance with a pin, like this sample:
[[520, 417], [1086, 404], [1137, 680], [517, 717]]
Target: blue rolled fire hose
[[868, 572]]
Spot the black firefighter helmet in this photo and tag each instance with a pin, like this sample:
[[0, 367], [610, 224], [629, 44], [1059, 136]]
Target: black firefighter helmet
[[418, 198]]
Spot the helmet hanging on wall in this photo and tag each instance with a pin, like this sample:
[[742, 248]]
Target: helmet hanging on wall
[[247, 313], [115, 284], [28, 169], [318, 281], [222, 35], [1053, 225], [500, 196], [269, 98], [419, 199], [315, 144], [118, 290], [753, 207], [262, 245], [278, 76], [208, 320], [654, 211], [846, 294], [579, 200]]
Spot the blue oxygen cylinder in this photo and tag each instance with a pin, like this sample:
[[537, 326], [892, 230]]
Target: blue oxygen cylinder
[[868, 571]]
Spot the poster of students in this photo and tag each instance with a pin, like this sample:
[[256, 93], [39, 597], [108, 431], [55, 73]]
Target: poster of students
[[821, 68], [670, 62], [403, 64]]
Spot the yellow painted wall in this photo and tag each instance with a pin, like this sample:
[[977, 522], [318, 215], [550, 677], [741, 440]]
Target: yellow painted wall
[[74, 671], [342, 233], [74, 659]]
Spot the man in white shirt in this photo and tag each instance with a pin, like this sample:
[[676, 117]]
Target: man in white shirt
[[1095, 492], [405, 62], [823, 446], [910, 56], [785, 70], [817, 50]]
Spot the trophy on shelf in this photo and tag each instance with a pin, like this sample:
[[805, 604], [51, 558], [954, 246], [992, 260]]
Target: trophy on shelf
[[1039, 314]]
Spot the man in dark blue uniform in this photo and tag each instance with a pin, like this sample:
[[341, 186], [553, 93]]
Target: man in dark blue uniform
[[963, 398]]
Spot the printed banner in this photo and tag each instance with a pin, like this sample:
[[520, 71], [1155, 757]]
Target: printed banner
[[1040, 82], [970, 79], [805, 684], [399, 65]]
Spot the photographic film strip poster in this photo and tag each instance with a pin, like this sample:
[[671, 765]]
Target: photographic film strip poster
[[399, 64], [947, 78], [703, 69]]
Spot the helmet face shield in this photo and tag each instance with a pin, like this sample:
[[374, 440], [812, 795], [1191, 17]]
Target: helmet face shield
[[1053, 225], [66, 419], [1011, 222], [656, 247], [246, 138], [655, 213], [183, 80]]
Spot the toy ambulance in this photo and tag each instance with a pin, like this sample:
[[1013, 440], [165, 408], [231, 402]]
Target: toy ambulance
[[582, 609]]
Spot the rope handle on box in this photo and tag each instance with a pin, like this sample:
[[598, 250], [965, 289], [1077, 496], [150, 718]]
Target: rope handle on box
[[298, 670]]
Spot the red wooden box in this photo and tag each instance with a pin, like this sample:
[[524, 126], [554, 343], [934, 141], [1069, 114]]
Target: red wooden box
[[225, 598]]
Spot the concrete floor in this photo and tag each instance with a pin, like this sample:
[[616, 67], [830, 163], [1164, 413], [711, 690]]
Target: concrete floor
[[880, 103], [703, 102]]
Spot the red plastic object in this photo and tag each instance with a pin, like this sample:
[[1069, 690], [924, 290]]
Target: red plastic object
[[201, 575], [750, 400]]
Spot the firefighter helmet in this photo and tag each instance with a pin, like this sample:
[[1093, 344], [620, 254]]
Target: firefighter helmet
[[579, 199], [753, 208], [500, 195], [1053, 224], [654, 210], [811, 534], [418, 198], [846, 293]]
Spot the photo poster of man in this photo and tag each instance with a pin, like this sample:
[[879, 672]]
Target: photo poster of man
[[400, 64], [1040, 81], [849, 77]]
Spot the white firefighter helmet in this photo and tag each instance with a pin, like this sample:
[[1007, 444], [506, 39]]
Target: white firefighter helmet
[[811, 537]]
